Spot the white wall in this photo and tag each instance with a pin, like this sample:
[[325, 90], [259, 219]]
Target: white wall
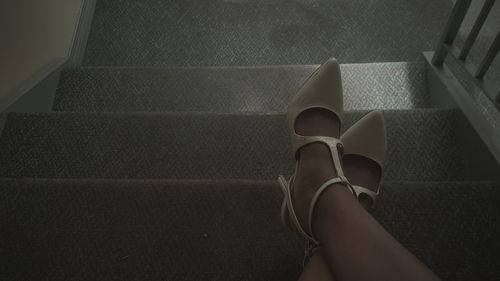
[[35, 35]]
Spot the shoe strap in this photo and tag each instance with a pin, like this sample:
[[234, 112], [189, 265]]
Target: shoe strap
[[358, 190], [319, 192], [286, 186], [332, 143], [287, 191]]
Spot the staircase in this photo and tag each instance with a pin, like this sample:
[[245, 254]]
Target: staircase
[[162, 166]]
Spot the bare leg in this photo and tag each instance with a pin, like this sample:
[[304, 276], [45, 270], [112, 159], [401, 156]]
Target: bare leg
[[355, 246], [317, 269], [313, 122], [360, 171]]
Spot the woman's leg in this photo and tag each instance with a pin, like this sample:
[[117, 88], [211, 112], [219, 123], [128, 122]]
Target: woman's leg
[[355, 246], [360, 171], [317, 269]]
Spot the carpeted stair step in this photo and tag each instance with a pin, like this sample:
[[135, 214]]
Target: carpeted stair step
[[221, 230], [425, 145], [276, 32], [399, 85]]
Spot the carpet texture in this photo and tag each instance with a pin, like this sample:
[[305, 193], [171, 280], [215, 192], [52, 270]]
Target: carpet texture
[[424, 145], [261, 32], [234, 89], [223, 230]]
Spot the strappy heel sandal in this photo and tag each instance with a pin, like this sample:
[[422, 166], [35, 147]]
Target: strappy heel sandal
[[367, 138], [323, 90]]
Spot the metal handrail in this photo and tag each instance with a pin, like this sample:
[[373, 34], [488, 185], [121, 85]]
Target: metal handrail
[[451, 29], [488, 59]]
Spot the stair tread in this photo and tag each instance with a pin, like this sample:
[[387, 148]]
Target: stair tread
[[162, 229], [424, 145], [398, 85], [191, 32]]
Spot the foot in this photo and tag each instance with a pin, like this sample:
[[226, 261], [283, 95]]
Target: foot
[[316, 165], [315, 161]]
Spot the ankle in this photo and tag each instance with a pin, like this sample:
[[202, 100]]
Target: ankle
[[312, 173], [334, 202]]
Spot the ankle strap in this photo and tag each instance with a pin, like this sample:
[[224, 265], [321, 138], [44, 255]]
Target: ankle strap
[[314, 201], [358, 190], [287, 188], [333, 145]]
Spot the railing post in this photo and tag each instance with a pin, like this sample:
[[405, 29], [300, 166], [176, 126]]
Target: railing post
[[481, 18], [488, 59], [450, 31]]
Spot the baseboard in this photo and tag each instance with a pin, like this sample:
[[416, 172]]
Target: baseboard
[[37, 93], [82, 33]]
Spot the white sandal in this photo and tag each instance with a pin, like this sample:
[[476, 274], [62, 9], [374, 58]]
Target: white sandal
[[365, 138], [322, 90]]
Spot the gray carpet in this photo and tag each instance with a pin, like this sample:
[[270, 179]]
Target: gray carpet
[[234, 89], [261, 32], [147, 171], [424, 145], [166, 230]]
